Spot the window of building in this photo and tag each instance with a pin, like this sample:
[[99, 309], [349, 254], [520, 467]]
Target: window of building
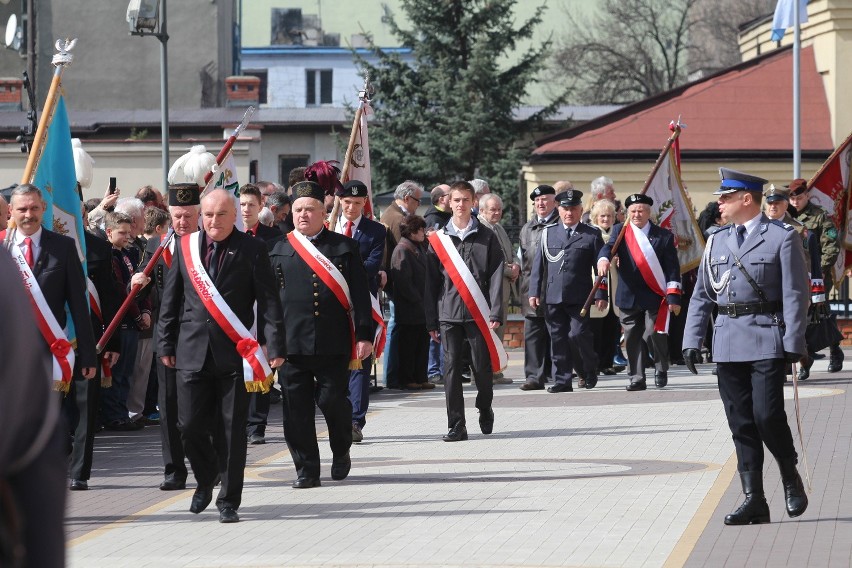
[[287, 162], [318, 83]]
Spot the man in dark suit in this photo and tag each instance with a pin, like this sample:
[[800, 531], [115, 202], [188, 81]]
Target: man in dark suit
[[371, 237], [209, 366], [646, 250], [319, 333], [56, 267], [251, 200], [561, 278], [185, 211]]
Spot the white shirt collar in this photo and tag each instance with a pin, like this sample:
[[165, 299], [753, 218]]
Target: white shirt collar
[[463, 230], [341, 224], [572, 227], [36, 237], [752, 224]]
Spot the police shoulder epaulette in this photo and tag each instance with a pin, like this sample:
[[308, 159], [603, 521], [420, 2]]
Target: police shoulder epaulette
[[785, 226], [714, 230], [551, 224]]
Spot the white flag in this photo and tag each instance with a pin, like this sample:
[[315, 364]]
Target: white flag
[[359, 160], [785, 17]]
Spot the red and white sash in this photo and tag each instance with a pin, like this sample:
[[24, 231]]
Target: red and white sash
[[331, 277], [381, 327], [60, 348], [256, 371], [652, 273], [95, 306], [468, 289]]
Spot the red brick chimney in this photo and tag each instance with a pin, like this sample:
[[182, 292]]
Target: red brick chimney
[[242, 90], [10, 93]]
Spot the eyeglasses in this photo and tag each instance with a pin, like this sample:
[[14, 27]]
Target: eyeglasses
[[414, 198]]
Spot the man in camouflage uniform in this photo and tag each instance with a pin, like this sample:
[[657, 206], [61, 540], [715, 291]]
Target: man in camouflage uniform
[[818, 223]]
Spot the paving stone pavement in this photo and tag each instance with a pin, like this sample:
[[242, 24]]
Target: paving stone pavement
[[600, 477]]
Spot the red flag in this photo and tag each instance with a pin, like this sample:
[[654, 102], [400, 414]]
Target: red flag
[[830, 190]]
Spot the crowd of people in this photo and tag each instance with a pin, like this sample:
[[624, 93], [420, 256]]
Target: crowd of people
[[290, 281]]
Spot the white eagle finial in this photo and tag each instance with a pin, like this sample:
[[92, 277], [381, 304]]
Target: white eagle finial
[[64, 47]]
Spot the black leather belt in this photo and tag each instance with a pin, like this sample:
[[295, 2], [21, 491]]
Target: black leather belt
[[734, 310]]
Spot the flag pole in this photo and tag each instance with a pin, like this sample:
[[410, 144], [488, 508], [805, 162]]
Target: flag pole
[[797, 134], [671, 140], [363, 97], [229, 143]]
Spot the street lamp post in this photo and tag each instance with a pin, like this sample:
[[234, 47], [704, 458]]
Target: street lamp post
[[146, 19]]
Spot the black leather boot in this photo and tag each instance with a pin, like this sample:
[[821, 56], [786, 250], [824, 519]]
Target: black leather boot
[[795, 497], [754, 510]]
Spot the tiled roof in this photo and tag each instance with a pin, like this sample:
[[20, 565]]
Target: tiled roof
[[745, 108]]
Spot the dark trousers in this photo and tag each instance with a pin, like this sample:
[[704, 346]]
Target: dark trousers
[[81, 413], [310, 381], [572, 342], [639, 325], [359, 391], [211, 400], [453, 335], [605, 331], [753, 395], [537, 362], [174, 466], [413, 353], [114, 398], [258, 413]]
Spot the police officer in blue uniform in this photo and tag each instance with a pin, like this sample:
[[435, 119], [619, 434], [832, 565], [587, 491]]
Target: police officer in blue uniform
[[754, 269], [562, 279]]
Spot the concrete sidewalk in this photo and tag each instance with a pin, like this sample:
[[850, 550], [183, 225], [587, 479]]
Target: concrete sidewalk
[[591, 478]]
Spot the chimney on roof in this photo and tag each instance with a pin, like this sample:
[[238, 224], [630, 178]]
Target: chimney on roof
[[11, 89], [242, 90]]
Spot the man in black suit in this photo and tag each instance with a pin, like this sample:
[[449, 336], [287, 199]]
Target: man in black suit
[[320, 341], [641, 300], [251, 202], [56, 267], [371, 237], [561, 278], [209, 366]]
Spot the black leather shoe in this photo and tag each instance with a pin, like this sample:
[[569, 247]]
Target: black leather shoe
[[531, 387], [835, 359], [637, 386], [754, 510], [661, 379], [795, 498], [171, 484], [200, 500], [228, 515], [340, 467], [486, 421], [457, 433], [805, 369], [591, 381], [306, 483], [79, 485], [560, 387]]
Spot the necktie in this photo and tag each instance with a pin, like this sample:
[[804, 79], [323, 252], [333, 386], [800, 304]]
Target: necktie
[[28, 255], [348, 230], [740, 235], [568, 232], [213, 262]]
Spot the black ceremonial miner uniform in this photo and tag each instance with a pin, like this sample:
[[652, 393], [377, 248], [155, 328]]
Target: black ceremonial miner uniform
[[319, 345]]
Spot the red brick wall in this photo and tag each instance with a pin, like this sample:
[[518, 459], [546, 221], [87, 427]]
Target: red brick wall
[[513, 334], [845, 326]]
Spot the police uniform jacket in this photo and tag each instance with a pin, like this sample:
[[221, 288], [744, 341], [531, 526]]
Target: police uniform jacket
[[774, 258], [567, 280], [60, 276], [633, 293], [481, 253], [316, 323], [99, 269], [530, 248], [244, 276]]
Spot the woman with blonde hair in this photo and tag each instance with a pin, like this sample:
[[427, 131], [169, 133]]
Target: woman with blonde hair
[[605, 325]]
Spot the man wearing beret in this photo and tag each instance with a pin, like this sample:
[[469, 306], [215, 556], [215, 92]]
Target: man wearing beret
[[817, 221], [754, 270], [328, 329], [371, 237], [562, 279], [649, 288], [537, 363]]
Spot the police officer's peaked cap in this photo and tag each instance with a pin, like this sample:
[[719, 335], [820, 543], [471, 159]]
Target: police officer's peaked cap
[[184, 194], [638, 198], [569, 198], [797, 186], [308, 189], [353, 188], [774, 194], [542, 190], [733, 181]]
